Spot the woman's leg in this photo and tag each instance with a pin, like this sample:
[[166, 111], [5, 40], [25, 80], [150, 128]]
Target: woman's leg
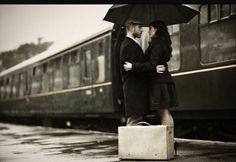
[[166, 117]]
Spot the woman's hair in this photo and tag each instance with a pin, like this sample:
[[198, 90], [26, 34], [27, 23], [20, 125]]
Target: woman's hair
[[162, 33]]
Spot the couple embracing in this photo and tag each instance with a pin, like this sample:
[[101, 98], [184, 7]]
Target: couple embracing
[[147, 83]]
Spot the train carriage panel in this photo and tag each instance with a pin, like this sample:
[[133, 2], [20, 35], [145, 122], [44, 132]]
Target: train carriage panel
[[72, 83], [206, 81]]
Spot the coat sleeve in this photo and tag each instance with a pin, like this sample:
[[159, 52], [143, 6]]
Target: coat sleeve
[[154, 60], [127, 54]]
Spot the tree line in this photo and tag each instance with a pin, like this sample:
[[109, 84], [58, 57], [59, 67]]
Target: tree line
[[23, 52]]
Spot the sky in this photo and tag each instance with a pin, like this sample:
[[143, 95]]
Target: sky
[[61, 24]]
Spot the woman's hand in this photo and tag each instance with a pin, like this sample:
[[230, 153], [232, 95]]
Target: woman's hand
[[127, 66], [160, 68]]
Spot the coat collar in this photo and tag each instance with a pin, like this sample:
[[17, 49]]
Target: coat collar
[[128, 36]]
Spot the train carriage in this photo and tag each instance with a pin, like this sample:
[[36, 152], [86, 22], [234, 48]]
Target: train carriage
[[65, 83], [84, 79]]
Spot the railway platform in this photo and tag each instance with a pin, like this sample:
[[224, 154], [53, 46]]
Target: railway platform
[[20, 143]]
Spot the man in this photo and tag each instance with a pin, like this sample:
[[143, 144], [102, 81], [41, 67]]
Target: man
[[134, 84]]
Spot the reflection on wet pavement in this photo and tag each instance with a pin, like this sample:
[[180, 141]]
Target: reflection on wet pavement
[[20, 143], [35, 140]]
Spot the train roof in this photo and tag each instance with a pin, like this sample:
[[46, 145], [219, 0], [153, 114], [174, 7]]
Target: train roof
[[53, 50]]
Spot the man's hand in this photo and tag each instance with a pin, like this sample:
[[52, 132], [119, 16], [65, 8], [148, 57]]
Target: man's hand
[[160, 68], [127, 66]]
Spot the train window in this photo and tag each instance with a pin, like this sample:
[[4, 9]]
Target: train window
[[58, 63], [107, 53], [26, 92], [213, 13], [13, 89], [21, 84], [11, 86], [101, 69], [3, 87], [45, 78], [74, 69], [77, 58], [233, 9], [65, 70], [39, 78], [74, 79], [28, 82], [15, 82], [8, 88], [217, 41], [58, 81], [100, 62], [65, 60], [224, 10], [1, 90], [36, 80], [87, 64], [216, 12], [45, 67], [204, 14], [34, 71], [73, 58], [174, 63], [7, 81], [173, 29], [50, 75], [101, 47]]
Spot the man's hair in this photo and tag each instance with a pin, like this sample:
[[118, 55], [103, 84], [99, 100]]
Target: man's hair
[[132, 22]]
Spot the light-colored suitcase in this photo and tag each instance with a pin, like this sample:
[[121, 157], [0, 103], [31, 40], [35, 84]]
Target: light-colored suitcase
[[146, 142]]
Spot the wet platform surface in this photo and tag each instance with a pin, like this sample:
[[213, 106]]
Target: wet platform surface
[[20, 143]]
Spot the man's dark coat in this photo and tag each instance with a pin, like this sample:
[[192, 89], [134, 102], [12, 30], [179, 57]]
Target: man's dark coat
[[134, 84]]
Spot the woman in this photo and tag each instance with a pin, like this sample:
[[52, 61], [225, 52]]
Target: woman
[[162, 93]]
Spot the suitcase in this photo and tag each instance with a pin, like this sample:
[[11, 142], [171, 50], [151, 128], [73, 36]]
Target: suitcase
[[146, 142]]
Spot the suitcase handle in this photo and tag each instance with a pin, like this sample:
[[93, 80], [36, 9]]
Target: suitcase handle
[[143, 123]]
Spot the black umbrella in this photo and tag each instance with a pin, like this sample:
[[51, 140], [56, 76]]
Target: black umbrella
[[169, 13]]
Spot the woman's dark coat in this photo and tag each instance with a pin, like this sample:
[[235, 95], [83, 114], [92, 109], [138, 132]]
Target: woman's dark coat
[[157, 53], [134, 83]]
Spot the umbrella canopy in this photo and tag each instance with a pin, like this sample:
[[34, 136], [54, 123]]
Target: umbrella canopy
[[146, 13]]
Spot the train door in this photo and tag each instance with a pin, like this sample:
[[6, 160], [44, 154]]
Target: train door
[[101, 67], [86, 59], [118, 98]]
